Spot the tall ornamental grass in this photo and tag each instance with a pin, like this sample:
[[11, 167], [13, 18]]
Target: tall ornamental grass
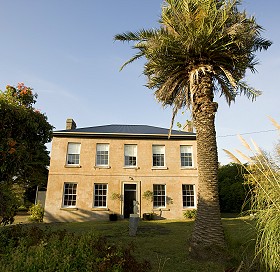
[[263, 178]]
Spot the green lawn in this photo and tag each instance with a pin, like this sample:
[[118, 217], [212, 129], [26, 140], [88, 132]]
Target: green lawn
[[164, 242]]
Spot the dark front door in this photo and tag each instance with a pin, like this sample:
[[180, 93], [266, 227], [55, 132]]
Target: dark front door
[[129, 196]]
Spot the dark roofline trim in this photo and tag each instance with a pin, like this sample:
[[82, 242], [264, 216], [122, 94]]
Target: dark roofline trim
[[191, 136]]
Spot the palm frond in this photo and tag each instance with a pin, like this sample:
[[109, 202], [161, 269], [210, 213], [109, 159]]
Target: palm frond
[[195, 34], [250, 92], [136, 57]]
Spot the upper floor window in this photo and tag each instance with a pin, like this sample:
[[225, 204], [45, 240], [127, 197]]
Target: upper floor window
[[73, 153], [102, 154], [186, 156], [158, 155], [70, 195], [100, 195], [159, 199], [188, 195], [130, 155]]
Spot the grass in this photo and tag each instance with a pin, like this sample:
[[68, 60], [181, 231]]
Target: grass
[[164, 242]]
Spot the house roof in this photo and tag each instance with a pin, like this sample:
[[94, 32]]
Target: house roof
[[124, 131]]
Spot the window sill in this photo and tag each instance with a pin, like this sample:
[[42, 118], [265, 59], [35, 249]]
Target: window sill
[[189, 208], [131, 167], [188, 168], [102, 167], [72, 166], [161, 210], [68, 209], [159, 168], [99, 209]]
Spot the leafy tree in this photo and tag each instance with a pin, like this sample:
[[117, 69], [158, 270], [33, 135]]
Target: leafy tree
[[24, 131], [202, 48], [232, 191]]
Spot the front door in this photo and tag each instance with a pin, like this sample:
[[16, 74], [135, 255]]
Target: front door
[[129, 197]]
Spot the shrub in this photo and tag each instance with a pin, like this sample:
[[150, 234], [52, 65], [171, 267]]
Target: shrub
[[148, 195], [263, 179], [34, 249], [36, 212], [8, 204], [189, 214], [232, 191]]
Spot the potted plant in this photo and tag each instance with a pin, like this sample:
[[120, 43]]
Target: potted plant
[[113, 216], [148, 196]]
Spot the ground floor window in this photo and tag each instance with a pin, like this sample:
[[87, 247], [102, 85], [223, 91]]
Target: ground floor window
[[70, 195], [159, 198], [100, 195], [188, 195]]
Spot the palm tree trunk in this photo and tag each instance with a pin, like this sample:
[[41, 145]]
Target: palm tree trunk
[[208, 235]]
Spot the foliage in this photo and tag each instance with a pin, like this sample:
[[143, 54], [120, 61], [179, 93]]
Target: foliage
[[116, 196], [232, 191], [33, 249], [156, 241], [36, 212], [148, 195], [198, 37], [190, 214], [263, 178], [24, 131], [8, 204], [202, 48]]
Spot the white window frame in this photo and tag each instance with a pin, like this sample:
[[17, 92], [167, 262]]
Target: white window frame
[[157, 151], [188, 156], [130, 154], [157, 193], [188, 193], [70, 195], [99, 193], [103, 148], [73, 149]]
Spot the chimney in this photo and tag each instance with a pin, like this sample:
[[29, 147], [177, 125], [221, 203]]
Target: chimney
[[188, 126], [70, 124]]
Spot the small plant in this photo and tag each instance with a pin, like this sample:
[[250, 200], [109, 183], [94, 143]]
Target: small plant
[[36, 212], [116, 196], [113, 216], [169, 200], [148, 195], [190, 214]]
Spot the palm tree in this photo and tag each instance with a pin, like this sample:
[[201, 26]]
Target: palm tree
[[202, 48]]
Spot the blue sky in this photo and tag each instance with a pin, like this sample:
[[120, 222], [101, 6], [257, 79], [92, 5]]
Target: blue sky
[[65, 51]]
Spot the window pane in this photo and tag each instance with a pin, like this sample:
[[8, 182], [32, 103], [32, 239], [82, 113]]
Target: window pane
[[73, 153], [186, 155], [130, 150], [158, 155], [73, 159], [188, 195], [102, 154], [70, 194], [159, 198], [74, 148], [102, 147], [158, 160], [158, 149], [130, 155], [100, 195]]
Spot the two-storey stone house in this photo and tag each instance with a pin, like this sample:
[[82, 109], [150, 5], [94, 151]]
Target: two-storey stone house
[[90, 165]]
